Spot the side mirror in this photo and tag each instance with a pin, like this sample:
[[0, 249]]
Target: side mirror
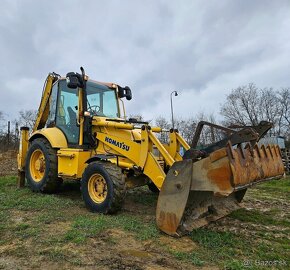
[[74, 80], [124, 92], [128, 93]]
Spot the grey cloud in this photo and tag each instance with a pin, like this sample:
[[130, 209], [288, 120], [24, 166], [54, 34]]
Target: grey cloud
[[201, 48]]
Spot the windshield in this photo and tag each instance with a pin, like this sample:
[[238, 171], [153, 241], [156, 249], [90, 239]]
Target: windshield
[[102, 101]]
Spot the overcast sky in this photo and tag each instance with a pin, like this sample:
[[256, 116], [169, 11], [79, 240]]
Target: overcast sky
[[202, 49]]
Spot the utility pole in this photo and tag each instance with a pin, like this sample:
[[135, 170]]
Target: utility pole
[[16, 135], [8, 135], [175, 94]]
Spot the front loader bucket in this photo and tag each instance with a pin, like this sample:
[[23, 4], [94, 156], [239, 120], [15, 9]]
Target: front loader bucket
[[194, 194]]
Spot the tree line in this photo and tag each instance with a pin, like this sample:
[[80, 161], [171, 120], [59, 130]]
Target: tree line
[[10, 129], [248, 105], [245, 106]]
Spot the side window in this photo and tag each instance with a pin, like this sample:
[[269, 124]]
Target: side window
[[66, 118], [52, 106], [110, 106]]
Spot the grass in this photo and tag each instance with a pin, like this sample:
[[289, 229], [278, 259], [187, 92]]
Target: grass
[[24, 231], [257, 217], [234, 251], [57, 254], [143, 231], [50, 216], [85, 227], [272, 190], [278, 185], [57, 228], [144, 196], [191, 257], [216, 246], [212, 239], [25, 200], [235, 265]]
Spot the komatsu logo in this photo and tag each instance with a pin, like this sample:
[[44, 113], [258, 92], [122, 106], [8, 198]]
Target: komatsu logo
[[122, 145]]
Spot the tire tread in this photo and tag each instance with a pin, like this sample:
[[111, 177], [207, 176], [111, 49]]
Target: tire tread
[[52, 183], [118, 179]]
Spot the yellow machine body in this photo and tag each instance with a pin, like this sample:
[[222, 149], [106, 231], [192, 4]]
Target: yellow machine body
[[134, 147]]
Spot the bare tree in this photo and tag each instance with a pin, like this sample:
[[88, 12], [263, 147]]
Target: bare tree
[[161, 121], [208, 135], [248, 105], [27, 118], [8, 134], [242, 106], [186, 128], [1, 122], [283, 97], [270, 109]]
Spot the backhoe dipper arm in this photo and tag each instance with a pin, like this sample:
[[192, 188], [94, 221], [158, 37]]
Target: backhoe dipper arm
[[43, 110]]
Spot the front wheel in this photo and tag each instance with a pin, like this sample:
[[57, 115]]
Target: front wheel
[[103, 187]]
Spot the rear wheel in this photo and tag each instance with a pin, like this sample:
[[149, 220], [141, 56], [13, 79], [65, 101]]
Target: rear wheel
[[41, 167], [103, 187]]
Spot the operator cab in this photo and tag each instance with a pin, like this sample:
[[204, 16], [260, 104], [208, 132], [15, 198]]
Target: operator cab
[[69, 105], [64, 104]]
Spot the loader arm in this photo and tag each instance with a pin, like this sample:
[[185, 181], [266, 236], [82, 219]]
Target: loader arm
[[138, 155], [131, 154]]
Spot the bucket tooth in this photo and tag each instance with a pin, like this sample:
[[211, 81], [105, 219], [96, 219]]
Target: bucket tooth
[[250, 149], [257, 150], [263, 148], [241, 150], [275, 150], [230, 150], [269, 150], [279, 150]]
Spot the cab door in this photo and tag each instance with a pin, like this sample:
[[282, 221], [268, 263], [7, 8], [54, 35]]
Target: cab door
[[66, 112]]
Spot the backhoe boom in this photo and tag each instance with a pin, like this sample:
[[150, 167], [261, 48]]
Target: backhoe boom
[[43, 109]]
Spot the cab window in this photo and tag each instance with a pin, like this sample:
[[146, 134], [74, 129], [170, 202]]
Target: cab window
[[52, 106], [66, 117], [101, 100]]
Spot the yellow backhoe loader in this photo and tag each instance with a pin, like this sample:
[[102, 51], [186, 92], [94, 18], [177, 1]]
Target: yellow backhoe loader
[[80, 134]]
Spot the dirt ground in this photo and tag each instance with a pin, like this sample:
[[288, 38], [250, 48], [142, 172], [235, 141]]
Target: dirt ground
[[57, 232], [8, 164]]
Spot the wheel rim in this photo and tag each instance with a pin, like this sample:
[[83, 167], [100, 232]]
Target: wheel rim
[[37, 165], [97, 188]]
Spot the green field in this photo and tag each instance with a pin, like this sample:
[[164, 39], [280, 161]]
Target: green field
[[57, 232]]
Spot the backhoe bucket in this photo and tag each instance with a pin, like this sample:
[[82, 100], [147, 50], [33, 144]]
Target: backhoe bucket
[[194, 194]]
